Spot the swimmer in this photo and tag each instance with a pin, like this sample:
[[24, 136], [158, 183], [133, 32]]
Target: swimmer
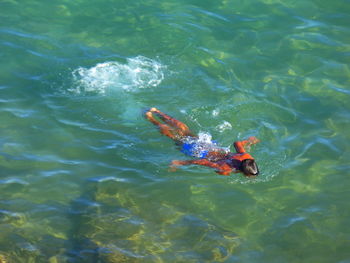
[[208, 153]]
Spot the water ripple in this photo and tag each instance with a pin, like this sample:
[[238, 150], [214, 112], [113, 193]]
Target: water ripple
[[85, 178], [107, 178], [14, 180]]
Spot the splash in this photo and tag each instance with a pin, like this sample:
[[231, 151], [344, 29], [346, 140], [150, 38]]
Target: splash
[[139, 72], [224, 126]]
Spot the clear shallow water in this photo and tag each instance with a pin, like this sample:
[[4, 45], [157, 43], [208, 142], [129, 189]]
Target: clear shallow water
[[84, 178]]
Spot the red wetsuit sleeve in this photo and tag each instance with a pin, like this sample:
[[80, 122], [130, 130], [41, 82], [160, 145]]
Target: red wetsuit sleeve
[[239, 145], [221, 169]]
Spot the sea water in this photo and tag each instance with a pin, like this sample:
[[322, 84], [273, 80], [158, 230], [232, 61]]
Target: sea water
[[85, 178]]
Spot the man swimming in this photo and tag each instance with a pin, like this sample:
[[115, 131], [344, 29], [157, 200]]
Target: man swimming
[[209, 154]]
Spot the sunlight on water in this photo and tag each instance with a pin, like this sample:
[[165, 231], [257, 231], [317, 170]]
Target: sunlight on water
[[139, 72], [85, 178]]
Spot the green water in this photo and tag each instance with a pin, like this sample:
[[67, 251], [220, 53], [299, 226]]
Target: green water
[[84, 178]]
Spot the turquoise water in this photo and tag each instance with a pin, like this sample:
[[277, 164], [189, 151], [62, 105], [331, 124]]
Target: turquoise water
[[84, 177]]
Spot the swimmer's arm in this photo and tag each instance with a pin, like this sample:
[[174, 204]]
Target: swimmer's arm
[[219, 169], [239, 145]]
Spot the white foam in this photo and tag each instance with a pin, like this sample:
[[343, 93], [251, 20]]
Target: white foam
[[204, 137], [137, 73], [224, 126], [215, 112]]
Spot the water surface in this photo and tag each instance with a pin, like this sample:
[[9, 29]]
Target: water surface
[[84, 177]]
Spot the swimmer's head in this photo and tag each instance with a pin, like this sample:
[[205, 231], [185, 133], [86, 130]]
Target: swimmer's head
[[249, 167]]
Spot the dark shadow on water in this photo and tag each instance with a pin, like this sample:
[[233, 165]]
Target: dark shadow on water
[[82, 210], [111, 222]]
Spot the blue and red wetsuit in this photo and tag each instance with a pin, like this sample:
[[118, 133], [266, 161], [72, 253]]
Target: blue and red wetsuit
[[222, 161]]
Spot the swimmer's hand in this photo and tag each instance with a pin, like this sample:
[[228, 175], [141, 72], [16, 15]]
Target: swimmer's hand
[[174, 164], [250, 141], [178, 163], [253, 140]]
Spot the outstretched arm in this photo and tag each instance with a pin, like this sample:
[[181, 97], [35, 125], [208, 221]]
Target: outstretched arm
[[220, 169], [239, 145]]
